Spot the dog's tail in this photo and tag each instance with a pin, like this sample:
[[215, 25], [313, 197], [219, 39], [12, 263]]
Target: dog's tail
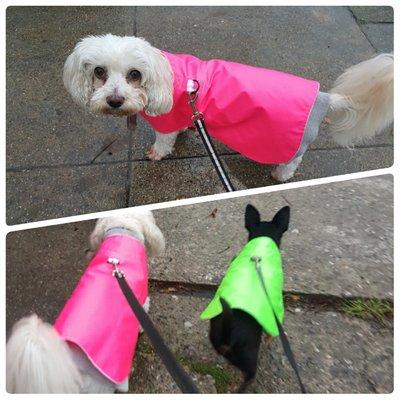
[[361, 101], [38, 360]]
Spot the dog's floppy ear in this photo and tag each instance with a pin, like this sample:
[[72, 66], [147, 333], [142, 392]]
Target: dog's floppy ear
[[159, 83], [77, 74], [252, 217], [281, 219], [154, 239]]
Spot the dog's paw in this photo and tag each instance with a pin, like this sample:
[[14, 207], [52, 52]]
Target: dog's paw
[[277, 175], [153, 155]]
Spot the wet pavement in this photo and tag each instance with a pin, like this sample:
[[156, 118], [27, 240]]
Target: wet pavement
[[63, 161], [339, 245]]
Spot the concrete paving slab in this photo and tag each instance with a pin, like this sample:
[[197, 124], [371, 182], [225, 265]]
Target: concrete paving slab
[[341, 233], [316, 164], [151, 181], [40, 32], [172, 179], [270, 38], [335, 353], [380, 35], [41, 194], [44, 128], [42, 278], [365, 14], [340, 240]]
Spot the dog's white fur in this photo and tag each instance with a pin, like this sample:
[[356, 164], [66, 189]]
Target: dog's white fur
[[361, 101], [39, 361], [119, 55]]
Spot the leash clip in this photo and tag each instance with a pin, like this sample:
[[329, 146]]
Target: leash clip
[[116, 271], [192, 89], [257, 261]]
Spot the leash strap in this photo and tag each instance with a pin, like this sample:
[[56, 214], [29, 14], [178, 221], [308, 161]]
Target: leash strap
[[181, 378], [193, 87], [282, 335]]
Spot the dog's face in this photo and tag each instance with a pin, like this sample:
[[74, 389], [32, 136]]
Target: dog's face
[[119, 76]]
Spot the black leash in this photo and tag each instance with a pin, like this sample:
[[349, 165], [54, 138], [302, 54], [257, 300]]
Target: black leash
[[282, 335], [182, 379], [193, 87], [198, 121]]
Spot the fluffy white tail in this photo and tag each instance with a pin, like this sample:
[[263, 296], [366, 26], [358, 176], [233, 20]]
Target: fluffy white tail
[[38, 361], [361, 103]]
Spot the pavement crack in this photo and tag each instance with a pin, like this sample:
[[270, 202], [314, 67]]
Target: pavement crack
[[287, 201], [102, 150], [293, 299], [130, 160], [362, 30], [129, 174], [223, 250]]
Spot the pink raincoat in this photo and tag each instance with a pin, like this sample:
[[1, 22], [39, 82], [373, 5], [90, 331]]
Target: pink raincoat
[[257, 112], [97, 316]]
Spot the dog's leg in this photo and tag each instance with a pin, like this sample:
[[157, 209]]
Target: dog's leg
[[163, 146], [283, 172], [146, 307]]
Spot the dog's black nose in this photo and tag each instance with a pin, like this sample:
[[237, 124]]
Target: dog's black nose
[[115, 101]]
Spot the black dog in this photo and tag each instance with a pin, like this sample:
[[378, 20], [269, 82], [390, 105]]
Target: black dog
[[234, 333]]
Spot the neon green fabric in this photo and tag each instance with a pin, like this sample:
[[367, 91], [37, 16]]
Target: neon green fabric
[[242, 288]]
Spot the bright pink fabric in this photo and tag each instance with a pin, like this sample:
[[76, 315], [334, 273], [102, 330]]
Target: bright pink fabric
[[257, 112], [97, 316]]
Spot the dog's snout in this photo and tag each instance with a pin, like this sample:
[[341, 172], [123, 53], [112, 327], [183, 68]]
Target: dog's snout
[[115, 101]]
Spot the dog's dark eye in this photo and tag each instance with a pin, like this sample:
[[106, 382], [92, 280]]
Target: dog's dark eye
[[134, 74], [100, 72]]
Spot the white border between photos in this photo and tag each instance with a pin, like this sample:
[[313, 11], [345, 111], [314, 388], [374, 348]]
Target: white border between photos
[[394, 170]]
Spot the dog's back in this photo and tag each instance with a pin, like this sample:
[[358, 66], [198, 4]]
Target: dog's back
[[234, 333]]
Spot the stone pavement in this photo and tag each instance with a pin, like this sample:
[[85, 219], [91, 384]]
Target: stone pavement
[[339, 245], [63, 161]]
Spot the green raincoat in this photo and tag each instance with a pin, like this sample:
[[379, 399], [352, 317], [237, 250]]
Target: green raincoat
[[242, 288]]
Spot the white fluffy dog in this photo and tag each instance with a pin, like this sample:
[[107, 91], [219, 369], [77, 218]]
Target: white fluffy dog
[[39, 361], [126, 75]]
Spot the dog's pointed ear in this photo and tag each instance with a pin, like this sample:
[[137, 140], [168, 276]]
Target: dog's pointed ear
[[159, 83], [252, 217], [281, 219]]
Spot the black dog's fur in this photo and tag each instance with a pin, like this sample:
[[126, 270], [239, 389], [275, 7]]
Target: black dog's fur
[[235, 334]]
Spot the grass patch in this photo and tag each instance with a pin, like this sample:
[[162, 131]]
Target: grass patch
[[144, 348], [362, 21], [367, 309], [222, 378]]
